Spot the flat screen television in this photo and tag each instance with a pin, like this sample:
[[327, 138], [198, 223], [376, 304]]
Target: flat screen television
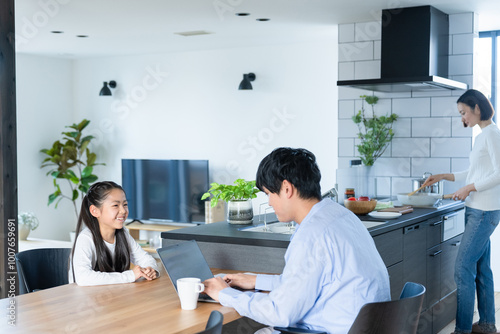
[[165, 190]]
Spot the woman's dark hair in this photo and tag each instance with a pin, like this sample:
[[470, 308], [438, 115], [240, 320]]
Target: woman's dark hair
[[96, 195], [296, 165], [474, 97]]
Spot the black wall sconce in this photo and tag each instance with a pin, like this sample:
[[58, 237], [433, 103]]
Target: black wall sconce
[[245, 83], [105, 91]]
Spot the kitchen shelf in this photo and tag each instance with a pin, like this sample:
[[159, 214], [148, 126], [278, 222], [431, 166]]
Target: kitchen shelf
[[136, 228]]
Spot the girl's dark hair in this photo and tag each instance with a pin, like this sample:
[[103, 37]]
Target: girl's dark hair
[[104, 262], [474, 97], [296, 165]]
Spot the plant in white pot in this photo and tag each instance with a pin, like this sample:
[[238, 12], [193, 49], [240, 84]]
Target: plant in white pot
[[238, 197], [71, 161], [27, 222]]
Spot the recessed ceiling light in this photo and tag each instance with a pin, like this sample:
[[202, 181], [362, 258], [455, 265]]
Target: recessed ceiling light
[[193, 33], [242, 14], [57, 32], [82, 36], [263, 20]]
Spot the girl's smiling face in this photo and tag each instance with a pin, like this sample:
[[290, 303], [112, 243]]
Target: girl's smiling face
[[113, 211], [470, 117]]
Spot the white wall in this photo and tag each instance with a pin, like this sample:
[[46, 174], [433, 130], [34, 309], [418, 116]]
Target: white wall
[[44, 107], [187, 106]]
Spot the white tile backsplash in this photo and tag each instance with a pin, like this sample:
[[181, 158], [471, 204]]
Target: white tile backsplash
[[462, 23], [451, 147], [367, 69], [462, 44], [458, 130], [392, 167], [419, 166], [356, 51], [460, 64], [444, 106], [459, 164], [431, 127], [429, 136], [346, 33], [346, 70], [402, 127], [368, 31], [346, 147], [346, 109], [416, 107], [410, 147], [347, 128]]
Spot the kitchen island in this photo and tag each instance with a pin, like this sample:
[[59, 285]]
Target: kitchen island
[[420, 246]]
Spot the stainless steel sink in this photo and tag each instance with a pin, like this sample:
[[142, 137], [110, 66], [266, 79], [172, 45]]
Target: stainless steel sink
[[279, 228], [288, 228]]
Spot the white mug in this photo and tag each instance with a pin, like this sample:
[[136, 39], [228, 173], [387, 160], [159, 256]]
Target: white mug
[[189, 289]]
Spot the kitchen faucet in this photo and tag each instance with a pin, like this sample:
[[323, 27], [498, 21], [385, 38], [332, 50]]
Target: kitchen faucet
[[332, 194]]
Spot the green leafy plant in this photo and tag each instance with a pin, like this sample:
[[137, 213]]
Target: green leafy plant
[[242, 190], [29, 219], [375, 132], [71, 160]]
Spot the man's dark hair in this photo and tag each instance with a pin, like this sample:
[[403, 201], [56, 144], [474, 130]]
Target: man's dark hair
[[296, 165], [474, 97]]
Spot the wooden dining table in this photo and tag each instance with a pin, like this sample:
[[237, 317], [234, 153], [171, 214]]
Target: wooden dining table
[[140, 307]]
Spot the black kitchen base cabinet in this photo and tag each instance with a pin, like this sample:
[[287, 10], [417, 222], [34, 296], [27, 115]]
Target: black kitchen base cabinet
[[418, 253]]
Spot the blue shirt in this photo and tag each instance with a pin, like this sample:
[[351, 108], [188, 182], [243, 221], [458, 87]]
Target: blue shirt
[[332, 269]]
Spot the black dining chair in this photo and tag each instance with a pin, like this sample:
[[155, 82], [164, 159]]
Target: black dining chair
[[42, 268], [214, 323], [397, 316]]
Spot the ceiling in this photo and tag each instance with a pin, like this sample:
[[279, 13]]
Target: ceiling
[[149, 26]]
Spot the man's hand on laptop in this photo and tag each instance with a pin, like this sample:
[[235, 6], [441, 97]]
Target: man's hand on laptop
[[213, 286], [242, 281]]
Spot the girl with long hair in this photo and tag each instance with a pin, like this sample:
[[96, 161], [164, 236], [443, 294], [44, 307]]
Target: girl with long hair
[[103, 249]]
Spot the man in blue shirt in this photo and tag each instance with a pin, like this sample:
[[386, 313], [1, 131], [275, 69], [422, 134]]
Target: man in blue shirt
[[332, 267]]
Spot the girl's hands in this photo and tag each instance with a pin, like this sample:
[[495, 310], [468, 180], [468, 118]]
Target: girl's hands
[[148, 273]]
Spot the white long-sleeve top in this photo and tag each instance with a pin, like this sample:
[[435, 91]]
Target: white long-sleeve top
[[85, 258], [484, 170]]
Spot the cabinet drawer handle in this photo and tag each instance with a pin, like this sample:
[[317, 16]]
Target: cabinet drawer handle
[[436, 253], [456, 243], [437, 223]]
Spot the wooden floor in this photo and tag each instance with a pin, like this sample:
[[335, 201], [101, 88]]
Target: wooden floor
[[451, 326]]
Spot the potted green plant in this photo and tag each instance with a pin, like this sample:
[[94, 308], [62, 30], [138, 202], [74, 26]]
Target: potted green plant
[[70, 160], [27, 222], [238, 197], [375, 132]]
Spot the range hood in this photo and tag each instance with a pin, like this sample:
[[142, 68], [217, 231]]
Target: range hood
[[414, 53]]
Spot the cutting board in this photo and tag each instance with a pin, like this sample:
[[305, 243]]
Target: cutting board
[[401, 209]]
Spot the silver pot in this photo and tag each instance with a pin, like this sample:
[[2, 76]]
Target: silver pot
[[436, 188]]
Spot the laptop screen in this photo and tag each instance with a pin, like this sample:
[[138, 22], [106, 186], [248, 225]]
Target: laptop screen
[[184, 260]]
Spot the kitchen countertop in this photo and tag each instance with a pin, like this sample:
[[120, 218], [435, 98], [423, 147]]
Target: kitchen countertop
[[222, 232]]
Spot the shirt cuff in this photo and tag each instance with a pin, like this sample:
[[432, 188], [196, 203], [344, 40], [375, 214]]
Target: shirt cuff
[[226, 294], [265, 282], [130, 276]]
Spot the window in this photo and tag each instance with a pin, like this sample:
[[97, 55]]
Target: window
[[488, 49]]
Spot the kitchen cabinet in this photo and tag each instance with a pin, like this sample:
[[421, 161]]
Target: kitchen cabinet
[[420, 247]]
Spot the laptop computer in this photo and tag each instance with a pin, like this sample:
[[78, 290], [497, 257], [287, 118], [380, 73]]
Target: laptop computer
[[185, 260]]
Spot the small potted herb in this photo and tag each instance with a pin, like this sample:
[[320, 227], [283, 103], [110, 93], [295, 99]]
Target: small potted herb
[[27, 222], [238, 197]]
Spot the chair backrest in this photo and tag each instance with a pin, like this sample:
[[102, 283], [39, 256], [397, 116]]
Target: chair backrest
[[214, 323], [42, 268], [397, 316]]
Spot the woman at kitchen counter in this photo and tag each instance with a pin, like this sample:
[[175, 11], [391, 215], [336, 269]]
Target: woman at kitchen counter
[[482, 214]]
